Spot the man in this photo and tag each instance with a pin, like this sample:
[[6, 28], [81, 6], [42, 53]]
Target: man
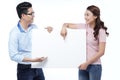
[[20, 44]]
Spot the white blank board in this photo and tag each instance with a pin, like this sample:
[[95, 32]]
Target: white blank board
[[68, 53]]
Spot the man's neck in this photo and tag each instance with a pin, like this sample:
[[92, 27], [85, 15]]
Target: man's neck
[[24, 24]]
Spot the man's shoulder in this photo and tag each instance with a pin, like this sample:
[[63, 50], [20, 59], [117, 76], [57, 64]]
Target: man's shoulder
[[14, 29], [33, 26]]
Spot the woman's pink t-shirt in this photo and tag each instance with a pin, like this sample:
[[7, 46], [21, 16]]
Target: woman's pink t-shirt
[[92, 45]]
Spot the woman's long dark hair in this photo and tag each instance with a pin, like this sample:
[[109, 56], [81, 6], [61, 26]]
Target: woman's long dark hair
[[99, 24]]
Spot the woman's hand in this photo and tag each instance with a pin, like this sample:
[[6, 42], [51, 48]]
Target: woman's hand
[[64, 31], [83, 66]]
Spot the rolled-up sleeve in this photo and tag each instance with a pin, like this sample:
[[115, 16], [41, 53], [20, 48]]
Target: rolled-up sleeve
[[13, 47]]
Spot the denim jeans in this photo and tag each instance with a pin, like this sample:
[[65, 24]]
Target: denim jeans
[[93, 72], [25, 72]]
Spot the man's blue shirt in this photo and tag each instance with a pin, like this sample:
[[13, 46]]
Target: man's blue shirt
[[20, 43]]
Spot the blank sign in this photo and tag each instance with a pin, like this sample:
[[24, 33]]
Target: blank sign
[[68, 53]]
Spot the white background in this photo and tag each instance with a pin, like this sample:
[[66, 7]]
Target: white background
[[54, 13]]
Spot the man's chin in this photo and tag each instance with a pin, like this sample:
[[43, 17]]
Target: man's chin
[[31, 21]]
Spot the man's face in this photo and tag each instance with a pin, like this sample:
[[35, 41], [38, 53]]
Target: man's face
[[29, 17]]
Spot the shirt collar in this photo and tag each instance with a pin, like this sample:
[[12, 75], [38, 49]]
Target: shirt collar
[[21, 28]]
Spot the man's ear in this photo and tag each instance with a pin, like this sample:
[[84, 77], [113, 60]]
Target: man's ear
[[23, 15]]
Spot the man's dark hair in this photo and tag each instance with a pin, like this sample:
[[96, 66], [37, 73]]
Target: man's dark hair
[[22, 8]]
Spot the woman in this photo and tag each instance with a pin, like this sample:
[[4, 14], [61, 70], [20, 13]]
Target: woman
[[96, 34]]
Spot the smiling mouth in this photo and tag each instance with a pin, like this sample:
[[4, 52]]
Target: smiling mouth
[[87, 20]]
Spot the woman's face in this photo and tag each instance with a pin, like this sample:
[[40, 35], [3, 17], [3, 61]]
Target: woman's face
[[89, 17]]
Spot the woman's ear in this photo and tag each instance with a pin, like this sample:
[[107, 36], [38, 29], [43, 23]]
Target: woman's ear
[[95, 17]]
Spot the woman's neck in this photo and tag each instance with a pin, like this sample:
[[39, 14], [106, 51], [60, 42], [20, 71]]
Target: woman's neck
[[92, 25]]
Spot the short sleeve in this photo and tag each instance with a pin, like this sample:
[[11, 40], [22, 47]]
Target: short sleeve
[[81, 26], [102, 35]]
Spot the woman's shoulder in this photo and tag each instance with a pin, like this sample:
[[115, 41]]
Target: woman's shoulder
[[101, 30], [82, 25]]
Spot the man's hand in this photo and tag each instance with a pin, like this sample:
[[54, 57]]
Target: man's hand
[[49, 29], [39, 59]]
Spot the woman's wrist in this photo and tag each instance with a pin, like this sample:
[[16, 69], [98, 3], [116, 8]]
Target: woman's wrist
[[65, 25]]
